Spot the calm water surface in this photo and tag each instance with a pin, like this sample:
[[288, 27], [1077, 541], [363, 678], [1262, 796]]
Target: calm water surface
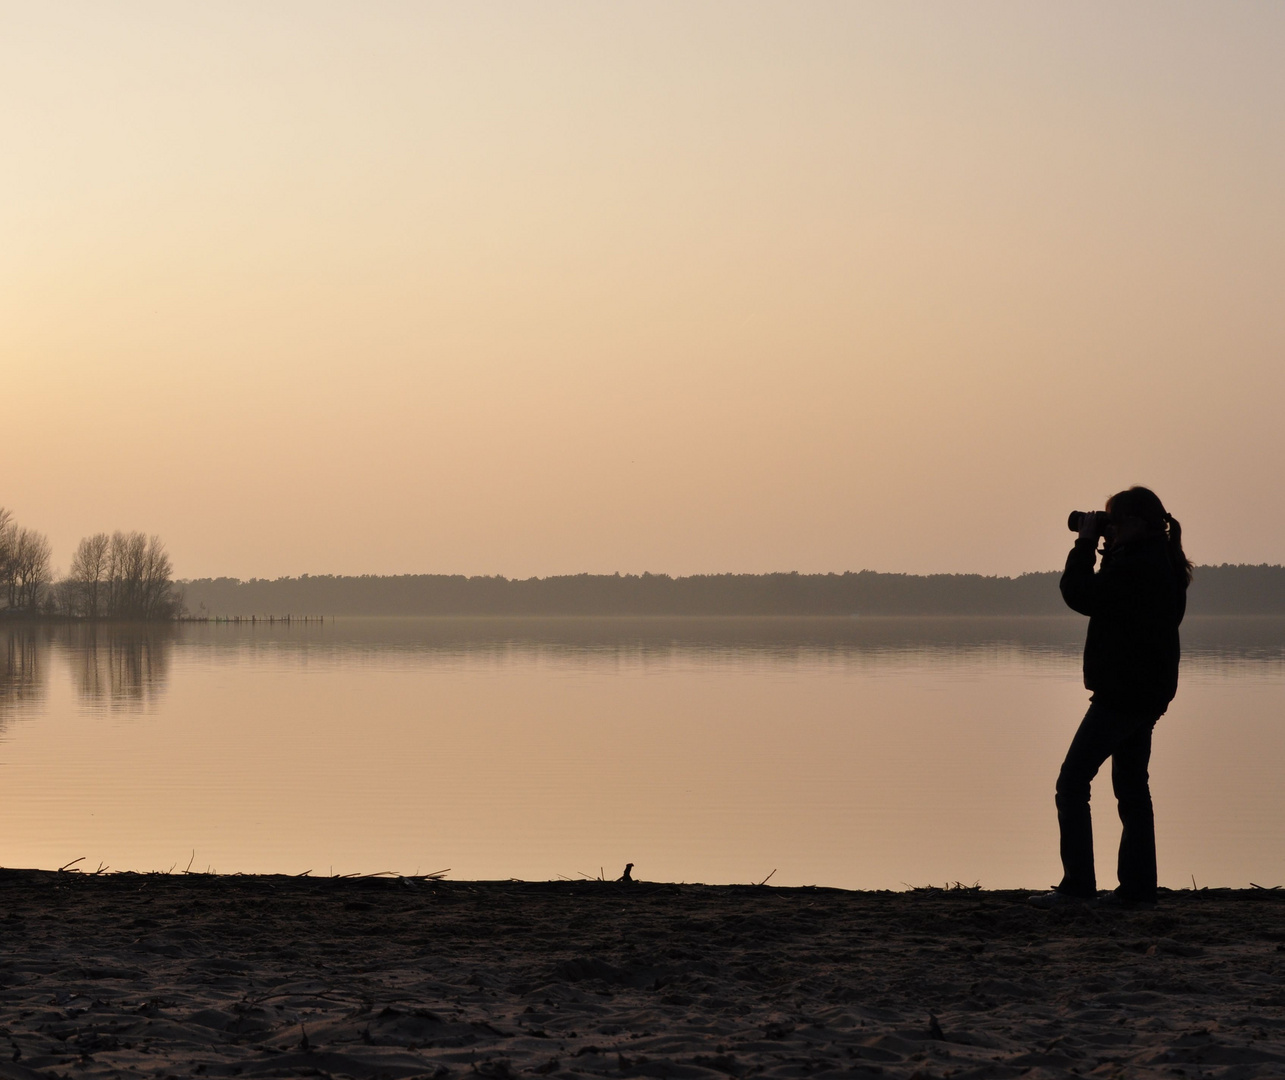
[[865, 753]]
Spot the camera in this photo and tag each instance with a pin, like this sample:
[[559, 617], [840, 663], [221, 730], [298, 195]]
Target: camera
[[1101, 519]]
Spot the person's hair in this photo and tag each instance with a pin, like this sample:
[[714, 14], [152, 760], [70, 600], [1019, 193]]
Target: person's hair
[[1145, 504]]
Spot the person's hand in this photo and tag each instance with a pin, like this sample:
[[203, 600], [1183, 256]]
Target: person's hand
[[1089, 527]]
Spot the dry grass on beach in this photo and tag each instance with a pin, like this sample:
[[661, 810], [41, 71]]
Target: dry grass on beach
[[186, 975]]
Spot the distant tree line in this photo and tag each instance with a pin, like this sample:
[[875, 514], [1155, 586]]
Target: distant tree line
[[126, 575], [1217, 590], [865, 592]]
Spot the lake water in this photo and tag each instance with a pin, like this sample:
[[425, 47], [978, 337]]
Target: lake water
[[862, 753]]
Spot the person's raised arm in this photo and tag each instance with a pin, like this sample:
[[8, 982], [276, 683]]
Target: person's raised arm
[[1077, 582]]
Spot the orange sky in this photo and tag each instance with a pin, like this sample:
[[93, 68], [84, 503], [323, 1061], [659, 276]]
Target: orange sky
[[542, 288]]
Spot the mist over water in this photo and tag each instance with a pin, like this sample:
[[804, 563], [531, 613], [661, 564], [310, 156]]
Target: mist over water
[[865, 753]]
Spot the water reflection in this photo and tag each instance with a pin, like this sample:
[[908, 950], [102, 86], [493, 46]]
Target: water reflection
[[125, 666], [856, 752], [1210, 641], [657, 637], [23, 666], [118, 666], [113, 666]]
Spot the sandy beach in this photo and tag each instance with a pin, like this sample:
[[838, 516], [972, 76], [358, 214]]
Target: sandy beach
[[186, 975]]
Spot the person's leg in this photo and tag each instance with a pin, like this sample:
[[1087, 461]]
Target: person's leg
[[1136, 867], [1091, 746]]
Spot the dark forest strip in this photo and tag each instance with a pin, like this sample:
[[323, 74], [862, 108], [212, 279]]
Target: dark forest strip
[[1216, 590]]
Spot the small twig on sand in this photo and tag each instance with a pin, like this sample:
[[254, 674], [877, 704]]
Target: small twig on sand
[[1193, 882], [768, 878], [304, 874], [102, 869], [72, 863], [190, 862], [1268, 888]]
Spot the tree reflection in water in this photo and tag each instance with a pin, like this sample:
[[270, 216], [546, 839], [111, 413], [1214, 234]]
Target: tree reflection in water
[[115, 666], [23, 665], [118, 665]]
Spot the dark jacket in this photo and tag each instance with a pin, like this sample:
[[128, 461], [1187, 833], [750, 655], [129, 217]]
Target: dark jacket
[[1134, 604]]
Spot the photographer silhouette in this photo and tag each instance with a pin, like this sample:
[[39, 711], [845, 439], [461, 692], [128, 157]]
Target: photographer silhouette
[[1134, 602]]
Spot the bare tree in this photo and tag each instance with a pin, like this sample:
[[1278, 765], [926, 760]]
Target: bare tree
[[8, 566], [65, 598], [31, 555], [124, 576], [157, 591], [89, 574], [138, 578], [120, 579], [124, 556], [24, 565]]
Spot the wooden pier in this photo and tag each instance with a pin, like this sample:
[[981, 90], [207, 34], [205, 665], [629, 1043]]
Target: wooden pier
[[268, 620]]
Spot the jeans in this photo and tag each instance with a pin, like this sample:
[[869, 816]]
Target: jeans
[[1125, 737]]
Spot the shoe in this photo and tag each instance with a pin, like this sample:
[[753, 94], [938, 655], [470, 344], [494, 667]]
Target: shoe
[[1117, 901], [1048, 901]]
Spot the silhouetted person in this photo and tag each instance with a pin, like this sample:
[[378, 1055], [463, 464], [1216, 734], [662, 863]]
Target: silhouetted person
[[1134, 602]]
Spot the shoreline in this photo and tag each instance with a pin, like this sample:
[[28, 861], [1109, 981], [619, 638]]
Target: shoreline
[[229, 975]]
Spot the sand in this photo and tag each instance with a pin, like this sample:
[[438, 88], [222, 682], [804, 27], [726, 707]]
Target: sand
[[193, 975]]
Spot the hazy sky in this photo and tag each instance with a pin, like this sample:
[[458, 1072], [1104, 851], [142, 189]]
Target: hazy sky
[[549, 287]]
